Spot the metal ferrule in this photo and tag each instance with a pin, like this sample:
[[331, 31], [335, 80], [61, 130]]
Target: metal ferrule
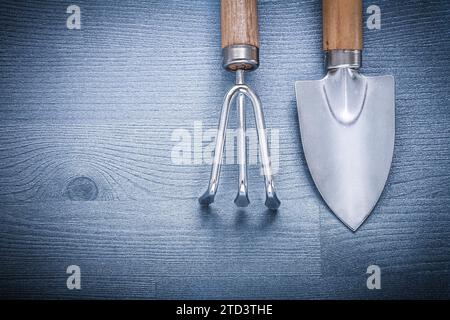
[[335, 59], [244, 57]]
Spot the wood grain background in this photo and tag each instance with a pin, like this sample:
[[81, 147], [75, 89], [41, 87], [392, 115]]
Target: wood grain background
[[86, 176]]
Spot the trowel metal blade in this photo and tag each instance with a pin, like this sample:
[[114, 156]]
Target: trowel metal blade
[[347, 124]]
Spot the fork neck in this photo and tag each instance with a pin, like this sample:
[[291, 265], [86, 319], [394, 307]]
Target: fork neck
[[240, 79], [338, 58]]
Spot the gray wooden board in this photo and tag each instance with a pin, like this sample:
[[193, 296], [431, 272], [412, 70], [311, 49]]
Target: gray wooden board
[[87, 119], [392, 238], [153, 240]]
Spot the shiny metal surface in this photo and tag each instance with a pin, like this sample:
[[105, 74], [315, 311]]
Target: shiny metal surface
[[239, 90], [241, 199], [347, 124], [345, 91], [343, 59], [238, 57]]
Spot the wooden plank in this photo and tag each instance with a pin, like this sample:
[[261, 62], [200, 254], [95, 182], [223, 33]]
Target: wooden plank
[[401, 237], [151, 240], [396, 285], [126, 161], [96, 283], [120, 161], [116, 63], [240, 287]]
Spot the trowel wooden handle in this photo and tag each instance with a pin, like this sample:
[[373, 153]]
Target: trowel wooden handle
[[239, 22], [342, 25]]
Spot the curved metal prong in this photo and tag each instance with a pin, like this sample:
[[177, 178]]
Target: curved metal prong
[[272, 201], [241, 199], [208, 197]]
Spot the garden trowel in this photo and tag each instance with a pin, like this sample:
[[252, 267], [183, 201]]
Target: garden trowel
[[347, 120]]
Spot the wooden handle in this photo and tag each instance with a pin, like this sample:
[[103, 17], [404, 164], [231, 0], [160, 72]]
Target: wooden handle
[[342, 25], [239, 22]]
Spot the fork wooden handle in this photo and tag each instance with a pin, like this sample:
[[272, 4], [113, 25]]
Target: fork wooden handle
[[342, 25], [239, 23]]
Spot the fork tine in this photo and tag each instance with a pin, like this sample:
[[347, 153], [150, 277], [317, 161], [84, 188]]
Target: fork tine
[[208, 197], [241, 199], [272, 201]]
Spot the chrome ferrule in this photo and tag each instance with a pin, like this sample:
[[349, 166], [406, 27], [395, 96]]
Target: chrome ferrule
[[244, 57], [335, 59]]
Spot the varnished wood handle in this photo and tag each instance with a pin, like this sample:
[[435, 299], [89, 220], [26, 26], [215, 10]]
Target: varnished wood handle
[[342, 25], [239, 23]]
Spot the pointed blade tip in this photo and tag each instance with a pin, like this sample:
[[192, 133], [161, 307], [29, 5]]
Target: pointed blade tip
[[350, 221]]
